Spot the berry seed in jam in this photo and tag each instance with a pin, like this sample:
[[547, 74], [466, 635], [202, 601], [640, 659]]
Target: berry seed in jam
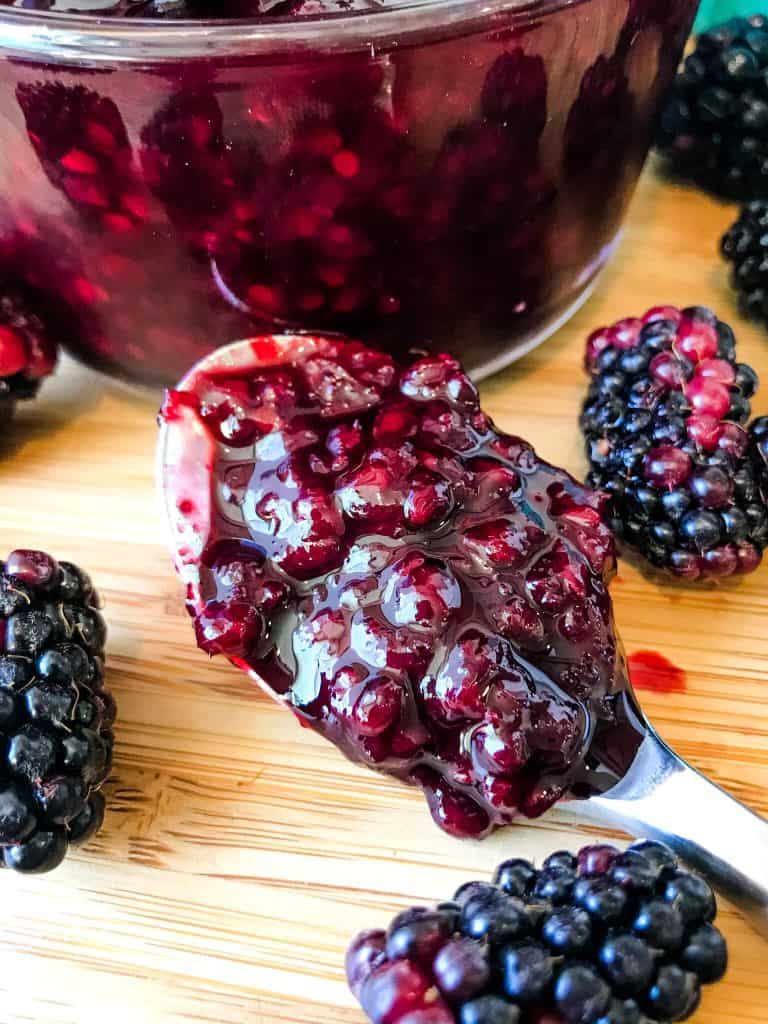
[[419, 587]]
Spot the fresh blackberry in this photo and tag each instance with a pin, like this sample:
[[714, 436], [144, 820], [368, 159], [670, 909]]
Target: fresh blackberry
[[714, 127], [745, 246], [638, 957], [28, 352], [664, 424], [55, 715], [758, 440]]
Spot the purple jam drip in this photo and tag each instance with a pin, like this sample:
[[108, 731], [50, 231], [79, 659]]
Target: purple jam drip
[[419, 587]]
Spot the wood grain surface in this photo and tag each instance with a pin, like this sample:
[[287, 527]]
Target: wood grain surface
[[240, 852]]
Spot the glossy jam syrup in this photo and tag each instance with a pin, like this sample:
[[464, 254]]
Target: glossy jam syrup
[[460, 185], [420, 588]]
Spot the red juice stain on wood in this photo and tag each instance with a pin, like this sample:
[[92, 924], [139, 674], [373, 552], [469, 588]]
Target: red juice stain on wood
[[650, 670]]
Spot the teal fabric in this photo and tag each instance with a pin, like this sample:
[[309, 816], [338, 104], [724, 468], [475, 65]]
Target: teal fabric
[[713, 12]]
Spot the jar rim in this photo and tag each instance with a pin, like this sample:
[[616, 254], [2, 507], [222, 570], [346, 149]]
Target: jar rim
[[53, 37]]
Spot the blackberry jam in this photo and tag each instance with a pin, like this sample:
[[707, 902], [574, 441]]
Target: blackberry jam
[[417, 586], [448, 173]]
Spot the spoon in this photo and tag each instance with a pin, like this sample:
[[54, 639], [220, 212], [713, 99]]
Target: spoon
[[658, 795], [662, 797]]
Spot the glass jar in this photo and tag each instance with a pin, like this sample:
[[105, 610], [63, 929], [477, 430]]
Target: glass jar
[[449, 173]]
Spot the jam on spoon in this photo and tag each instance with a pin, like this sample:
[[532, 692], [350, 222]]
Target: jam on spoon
[[416, 585], [427, 593]]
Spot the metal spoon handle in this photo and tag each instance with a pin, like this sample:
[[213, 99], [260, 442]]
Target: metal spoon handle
[[663, 798]]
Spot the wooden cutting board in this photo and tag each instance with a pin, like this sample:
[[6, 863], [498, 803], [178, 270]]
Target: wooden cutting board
[[240, 852]]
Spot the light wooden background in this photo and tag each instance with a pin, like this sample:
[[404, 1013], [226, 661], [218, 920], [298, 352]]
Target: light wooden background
[[240, 852]]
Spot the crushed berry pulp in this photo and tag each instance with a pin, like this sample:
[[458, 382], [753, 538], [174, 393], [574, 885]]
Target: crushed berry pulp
[[459, 184], [419, 587]]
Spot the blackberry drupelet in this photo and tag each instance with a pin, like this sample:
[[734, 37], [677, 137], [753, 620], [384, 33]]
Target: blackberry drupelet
[[758, 443], [664, 424], [502, 954], [28, 352], [714, 126], [745, 247], [55, 714]]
